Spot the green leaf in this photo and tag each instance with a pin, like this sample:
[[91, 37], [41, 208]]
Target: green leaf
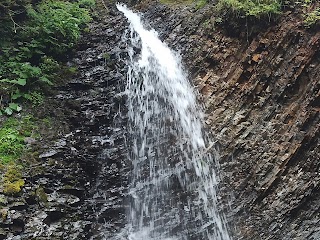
[[15, 107], [21, 81], [16, 95], [27, 96], [46, 80], [19, 108], [8, 111]]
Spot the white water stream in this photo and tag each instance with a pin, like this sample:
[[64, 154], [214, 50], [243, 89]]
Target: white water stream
[[173, 184]]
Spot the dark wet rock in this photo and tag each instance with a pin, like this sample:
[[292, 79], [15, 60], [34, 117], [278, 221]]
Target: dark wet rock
[[48, 154], [29, 140], [53, 215], [18, 206], [68, 192], [78, 192], [3, 234], [17, 226]]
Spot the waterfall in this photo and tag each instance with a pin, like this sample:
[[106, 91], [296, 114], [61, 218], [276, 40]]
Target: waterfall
[[173, 185]]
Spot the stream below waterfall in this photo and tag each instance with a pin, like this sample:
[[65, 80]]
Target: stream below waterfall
[[173, 184]]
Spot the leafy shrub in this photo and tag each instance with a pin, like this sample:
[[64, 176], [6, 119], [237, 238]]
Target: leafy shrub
[[312, 18], [255, 8], [11, 145], [12, 135], [29, 58], [56, 25], [310, 10]]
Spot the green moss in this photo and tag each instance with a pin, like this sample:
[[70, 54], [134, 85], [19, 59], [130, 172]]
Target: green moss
[[201, 3], [41, 195], [3, 200], [3, 213], [106, 56], [72, 70], [13, 188], [12, 180]]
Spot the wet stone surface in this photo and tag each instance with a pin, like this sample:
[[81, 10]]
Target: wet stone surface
[[76, 188], [261, 96]]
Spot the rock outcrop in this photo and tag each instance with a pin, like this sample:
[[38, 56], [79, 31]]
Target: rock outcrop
[[261, 97], [79, 175]]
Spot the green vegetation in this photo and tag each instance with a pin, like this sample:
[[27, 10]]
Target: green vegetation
[[12, 180], [12, 135], [196, 3], [255, 8], [41, 195], [34, 40], [312, 18], [55, 26], [201, 3], [176, 2], [267, 8], [14, 152], [311, 12]]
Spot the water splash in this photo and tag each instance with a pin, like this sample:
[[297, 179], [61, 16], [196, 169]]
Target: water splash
[[173, 188]]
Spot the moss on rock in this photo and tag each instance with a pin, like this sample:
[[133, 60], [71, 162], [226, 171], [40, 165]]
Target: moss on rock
[[12, 180]]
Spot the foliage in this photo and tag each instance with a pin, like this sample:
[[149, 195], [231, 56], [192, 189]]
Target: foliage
[[312, 18], [201, 3], [311, 12], [11, 145], [36, 98], [255, 8], [43, 33], [12, 135], [176, 2], [56, 24]]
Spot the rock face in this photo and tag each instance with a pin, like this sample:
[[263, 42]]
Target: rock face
[[79, 178], [262, 100], [261, 96]]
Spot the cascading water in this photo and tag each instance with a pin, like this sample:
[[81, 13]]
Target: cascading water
[[173, 184]]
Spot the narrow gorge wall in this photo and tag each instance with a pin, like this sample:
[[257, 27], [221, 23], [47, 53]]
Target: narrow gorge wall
[[261, 95]]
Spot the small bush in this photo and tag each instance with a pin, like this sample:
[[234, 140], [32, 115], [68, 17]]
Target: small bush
[[12, 135], [11, 143], [29, 57], [312, 18], [255, 8], [56, 25]]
